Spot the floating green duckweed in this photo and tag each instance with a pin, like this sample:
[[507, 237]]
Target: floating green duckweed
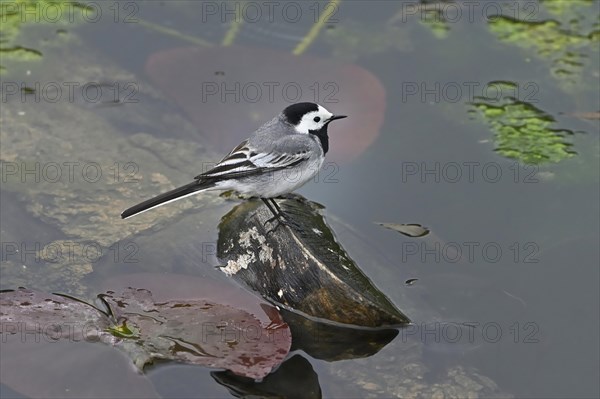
[[432, 16], [522, 131], [565, 41], [19, 53], [15, 14], [564, 7]]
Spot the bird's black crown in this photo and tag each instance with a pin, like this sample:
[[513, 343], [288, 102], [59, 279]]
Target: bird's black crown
[[294, 113]]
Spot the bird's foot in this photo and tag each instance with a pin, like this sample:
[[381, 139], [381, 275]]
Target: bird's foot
[[281, 220]]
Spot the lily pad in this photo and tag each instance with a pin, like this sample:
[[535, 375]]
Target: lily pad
[[300, 266], [197, 331], [254, 84], [51, 317]]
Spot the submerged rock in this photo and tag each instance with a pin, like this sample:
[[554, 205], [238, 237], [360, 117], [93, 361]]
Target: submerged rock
[[72, 165]]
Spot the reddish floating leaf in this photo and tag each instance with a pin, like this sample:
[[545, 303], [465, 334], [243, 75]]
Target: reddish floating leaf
[[197, 331], [253, 85]]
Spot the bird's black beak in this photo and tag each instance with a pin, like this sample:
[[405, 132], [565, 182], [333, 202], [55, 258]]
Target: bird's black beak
[[334, 117]]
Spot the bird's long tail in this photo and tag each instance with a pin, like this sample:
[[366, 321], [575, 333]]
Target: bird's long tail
[[170, 196]]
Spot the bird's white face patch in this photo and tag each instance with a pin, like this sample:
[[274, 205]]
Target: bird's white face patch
[[314, 120]]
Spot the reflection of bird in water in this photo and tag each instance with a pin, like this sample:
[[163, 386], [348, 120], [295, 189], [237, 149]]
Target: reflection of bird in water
[[279, 157]]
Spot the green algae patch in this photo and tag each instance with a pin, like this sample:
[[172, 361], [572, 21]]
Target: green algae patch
[[565, 40], [564, 7], [15, 15], [432, 17], [523, 131], [20, 53]]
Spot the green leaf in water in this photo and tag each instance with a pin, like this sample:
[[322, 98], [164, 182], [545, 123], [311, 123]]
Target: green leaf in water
[[122, 330]]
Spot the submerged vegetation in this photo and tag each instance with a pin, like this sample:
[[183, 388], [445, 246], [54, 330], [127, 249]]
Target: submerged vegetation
[[14, 15], [564, 40], [522, 131]]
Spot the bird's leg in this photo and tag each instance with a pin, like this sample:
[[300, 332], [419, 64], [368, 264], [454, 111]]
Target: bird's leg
[[279, 211], [275, 213], [278, 215]]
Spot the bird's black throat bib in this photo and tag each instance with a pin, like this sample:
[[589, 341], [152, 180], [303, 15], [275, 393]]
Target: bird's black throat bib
[[323, 138]]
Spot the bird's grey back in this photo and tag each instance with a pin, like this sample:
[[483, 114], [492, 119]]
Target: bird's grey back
[[267, 136], [273, 129]]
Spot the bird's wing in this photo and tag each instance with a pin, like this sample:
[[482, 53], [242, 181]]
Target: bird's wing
[[243, 162]]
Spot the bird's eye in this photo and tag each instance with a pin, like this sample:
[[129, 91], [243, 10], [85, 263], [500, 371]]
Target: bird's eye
[[317, 119]]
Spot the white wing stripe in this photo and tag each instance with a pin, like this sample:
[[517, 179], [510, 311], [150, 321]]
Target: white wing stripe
[[221, 169], [240, 162], [231, 162]]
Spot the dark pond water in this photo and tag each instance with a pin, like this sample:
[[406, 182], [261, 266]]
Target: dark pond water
[[479, 121]]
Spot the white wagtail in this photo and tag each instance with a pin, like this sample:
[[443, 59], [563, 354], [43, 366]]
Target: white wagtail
[[279, 157]]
